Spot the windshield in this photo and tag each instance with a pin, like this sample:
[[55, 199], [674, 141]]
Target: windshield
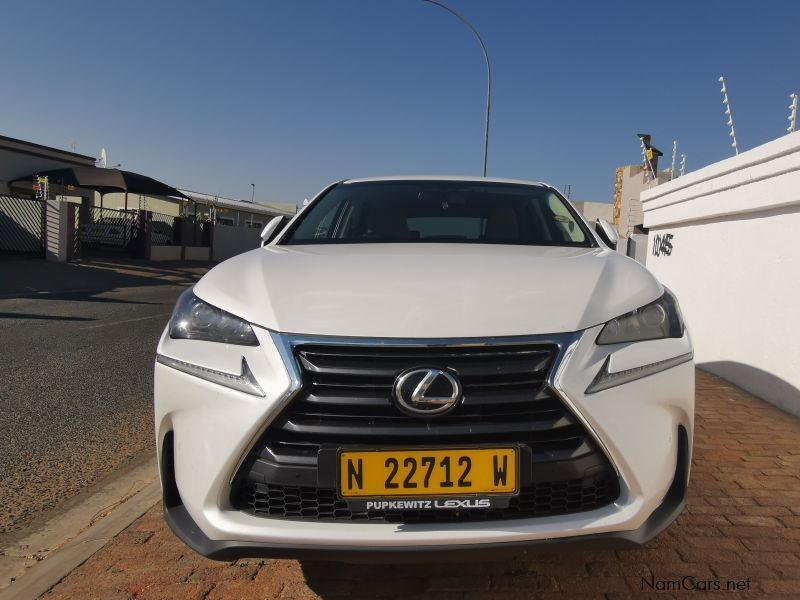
[[439, 211]]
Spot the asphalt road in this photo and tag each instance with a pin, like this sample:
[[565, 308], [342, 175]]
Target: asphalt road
[[77, 345]]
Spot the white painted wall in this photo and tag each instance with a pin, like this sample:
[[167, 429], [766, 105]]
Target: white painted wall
[[596, 210], [55, 231], [165, 252], [734, 264], [197, 253], [230, 241]]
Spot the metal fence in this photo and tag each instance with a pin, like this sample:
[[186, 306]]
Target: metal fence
[[94, 231], [106, 230], [190, 232], [162, 229], [22, 225]]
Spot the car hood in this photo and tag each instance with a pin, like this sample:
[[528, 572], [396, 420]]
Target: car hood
[[428, 290]]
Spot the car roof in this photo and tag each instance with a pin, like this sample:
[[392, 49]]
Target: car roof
[[474, 178]]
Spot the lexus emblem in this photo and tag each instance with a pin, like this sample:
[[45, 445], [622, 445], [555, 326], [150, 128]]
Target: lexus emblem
[[426, 391]]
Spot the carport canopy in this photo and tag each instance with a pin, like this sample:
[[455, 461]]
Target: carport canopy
[[105, 181]]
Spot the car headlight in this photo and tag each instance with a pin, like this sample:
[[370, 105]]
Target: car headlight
[[194, 319], [659, 319]]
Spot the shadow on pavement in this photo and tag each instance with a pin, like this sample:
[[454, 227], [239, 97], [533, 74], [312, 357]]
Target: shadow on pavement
[[21, 277], [331, 580], [760, 383], [9, 315]]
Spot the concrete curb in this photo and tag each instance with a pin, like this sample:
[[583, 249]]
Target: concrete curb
[[43, 558]]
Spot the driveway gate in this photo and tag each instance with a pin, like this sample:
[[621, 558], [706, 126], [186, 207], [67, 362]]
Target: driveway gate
[[109, 232], [22, 225]]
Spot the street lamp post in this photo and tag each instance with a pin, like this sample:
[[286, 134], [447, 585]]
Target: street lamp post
[[253, 194], [488, 77]]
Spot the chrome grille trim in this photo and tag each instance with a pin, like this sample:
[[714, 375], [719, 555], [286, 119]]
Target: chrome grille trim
[[286, 343]]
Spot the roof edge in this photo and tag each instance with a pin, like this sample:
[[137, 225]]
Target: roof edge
[[5, 138], [476, 178]]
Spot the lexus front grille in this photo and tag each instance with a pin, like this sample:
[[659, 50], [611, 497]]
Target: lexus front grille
[[346, 401]]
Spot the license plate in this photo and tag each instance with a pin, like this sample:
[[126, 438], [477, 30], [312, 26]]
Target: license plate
[[462, 471]]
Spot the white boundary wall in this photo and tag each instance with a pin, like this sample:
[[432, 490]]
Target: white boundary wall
[[230, 241], [725, 240]]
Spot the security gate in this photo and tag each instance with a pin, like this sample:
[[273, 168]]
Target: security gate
[[109, 232], [22, 225]]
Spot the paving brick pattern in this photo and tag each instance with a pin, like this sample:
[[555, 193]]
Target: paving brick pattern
[[742, 525]]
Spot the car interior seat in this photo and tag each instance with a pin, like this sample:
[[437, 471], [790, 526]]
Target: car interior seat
[[502, 225], [387, 222]]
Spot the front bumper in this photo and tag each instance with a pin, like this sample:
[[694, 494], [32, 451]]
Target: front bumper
[[182, 524], [645, 428]]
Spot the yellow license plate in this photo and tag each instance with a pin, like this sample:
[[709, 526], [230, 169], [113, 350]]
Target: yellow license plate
[[428, 472]]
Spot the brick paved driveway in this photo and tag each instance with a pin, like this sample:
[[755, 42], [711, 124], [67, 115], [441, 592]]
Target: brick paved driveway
[[742, 523]]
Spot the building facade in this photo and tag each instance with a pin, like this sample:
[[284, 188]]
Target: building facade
[[238, 213], [592, 211], [19, 159], [630, 182]]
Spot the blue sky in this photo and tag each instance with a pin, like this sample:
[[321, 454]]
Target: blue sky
[[291, 95]]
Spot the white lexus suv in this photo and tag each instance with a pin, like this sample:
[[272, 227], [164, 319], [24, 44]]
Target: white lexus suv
[[424, 364]]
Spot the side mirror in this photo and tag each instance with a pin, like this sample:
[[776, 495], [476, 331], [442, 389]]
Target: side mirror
[[607, 233], [270, 229]]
